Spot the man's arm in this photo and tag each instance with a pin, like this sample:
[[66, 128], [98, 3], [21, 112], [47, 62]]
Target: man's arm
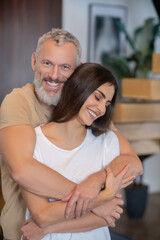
[[17, 145], [127, 157]]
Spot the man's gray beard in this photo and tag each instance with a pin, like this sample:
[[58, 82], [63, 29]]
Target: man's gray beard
[[42, 95]]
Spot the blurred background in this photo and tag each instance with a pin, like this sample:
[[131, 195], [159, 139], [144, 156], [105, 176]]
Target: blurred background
[[123, 35]]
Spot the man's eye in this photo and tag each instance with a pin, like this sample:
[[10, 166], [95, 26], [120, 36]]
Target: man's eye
[[65, 67], [46, 63]]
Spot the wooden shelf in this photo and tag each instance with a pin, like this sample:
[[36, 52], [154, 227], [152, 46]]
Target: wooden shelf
[[145, 147], [139, 121], [139, 131], [136, 112], [141, 88], [143, 137], [156, 63]]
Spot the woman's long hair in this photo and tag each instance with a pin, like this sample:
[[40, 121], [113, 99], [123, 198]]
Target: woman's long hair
[[80, 85]]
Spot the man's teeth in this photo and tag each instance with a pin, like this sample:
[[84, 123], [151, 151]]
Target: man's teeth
[[93, 114], [52, 84]]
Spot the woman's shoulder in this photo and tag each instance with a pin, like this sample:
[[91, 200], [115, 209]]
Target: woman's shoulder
[[107, 137]]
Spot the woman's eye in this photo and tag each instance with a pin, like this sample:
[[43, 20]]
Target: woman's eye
[[97, 98]]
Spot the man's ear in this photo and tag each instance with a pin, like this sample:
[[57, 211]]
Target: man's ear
[[33, 61]]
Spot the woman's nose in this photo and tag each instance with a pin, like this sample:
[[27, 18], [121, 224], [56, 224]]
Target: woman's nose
[[102, 107]]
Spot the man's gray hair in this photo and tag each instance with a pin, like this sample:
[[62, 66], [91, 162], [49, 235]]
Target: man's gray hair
[[61, 37]]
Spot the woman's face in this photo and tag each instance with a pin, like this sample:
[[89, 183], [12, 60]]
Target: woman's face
[[96, 104]]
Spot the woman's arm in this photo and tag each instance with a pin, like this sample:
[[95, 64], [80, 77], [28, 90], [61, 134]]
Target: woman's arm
[[110, 211], [47, 213], [31, 230]]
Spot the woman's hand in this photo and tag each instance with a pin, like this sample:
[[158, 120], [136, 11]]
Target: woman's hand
[[127, 181], [113, 184], [110, 211], [30, 231]]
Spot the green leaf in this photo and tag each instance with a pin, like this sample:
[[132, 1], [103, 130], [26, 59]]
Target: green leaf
[[119, 66], [121, 27], [138, 64]]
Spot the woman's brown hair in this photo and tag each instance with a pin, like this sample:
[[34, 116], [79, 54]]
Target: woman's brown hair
[[80, 85]]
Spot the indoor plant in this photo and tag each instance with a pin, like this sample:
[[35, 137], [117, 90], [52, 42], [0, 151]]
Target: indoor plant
[[138, 64]]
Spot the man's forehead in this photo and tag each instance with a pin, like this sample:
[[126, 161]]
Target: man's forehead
[[60, 55], [58, 44]]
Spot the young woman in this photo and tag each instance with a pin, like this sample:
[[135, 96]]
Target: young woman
[[79, 138]]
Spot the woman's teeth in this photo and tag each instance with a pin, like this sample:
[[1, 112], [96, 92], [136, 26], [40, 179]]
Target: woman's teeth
[[93, 114]]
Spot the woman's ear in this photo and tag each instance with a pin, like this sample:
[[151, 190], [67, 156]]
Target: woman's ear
[[33, 61]]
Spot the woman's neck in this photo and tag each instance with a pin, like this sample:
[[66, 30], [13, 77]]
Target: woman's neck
[[67, 135]]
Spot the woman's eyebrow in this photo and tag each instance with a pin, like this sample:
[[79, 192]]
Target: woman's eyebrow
[[103, 95]]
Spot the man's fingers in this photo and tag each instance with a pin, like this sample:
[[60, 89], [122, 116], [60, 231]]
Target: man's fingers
[[90, 205], [70, 204], [79, 206], [87, 206], [66, 198]]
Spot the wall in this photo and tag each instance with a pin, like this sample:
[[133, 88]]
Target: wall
[[75, 16], [21, 24], [75, 20]]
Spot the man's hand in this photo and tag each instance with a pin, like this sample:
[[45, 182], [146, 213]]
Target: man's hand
[[110, 211], [30, 231], [84, 194]]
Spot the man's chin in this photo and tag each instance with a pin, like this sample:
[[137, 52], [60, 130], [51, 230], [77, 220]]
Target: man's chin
[[49, 100], [44, 97]]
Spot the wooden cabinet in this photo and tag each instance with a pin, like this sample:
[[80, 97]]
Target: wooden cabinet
[[138, 118]]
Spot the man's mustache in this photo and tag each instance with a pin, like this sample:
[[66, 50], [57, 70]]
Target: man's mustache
[[49, 79]]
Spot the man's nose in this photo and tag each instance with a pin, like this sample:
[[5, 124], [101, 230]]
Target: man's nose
[[54, 73]]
